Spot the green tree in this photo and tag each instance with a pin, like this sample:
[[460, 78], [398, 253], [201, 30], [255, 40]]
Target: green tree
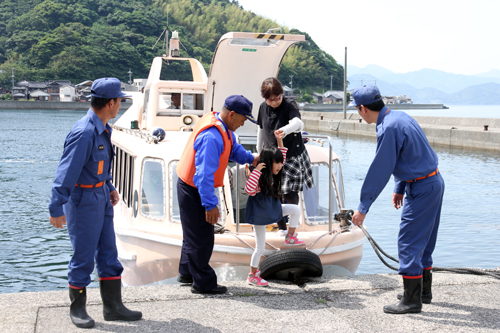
[[6, 97]]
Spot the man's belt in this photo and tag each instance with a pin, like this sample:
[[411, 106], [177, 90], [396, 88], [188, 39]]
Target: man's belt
[[420, 178], [90, 186]]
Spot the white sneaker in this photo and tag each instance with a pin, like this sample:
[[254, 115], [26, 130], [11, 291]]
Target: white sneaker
[[282, 233]]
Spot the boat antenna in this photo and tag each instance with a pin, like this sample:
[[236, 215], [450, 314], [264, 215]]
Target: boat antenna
[[213, 91], [166, 29], [166, 35]]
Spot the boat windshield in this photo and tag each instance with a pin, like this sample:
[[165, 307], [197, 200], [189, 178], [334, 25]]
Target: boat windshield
[[176, 103]]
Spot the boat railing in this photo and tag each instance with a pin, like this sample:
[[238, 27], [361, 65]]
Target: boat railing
[[331, 181], [149, 138]]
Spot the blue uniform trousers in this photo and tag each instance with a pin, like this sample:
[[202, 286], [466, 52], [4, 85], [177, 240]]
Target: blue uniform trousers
[[198, 239], [419, 224], [89, 215]]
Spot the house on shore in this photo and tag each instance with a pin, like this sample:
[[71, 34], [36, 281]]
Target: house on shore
[[53, 89], [317, 97], [67, 93], [333, 97], [402, 99], [39, 95], [19, 92]]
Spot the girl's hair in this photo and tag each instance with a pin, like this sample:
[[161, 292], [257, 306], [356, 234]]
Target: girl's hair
[[270, 185], [271, 86]]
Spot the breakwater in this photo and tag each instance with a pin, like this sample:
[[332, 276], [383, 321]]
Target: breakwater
[[340, 107], [38, 105], [456, 132]]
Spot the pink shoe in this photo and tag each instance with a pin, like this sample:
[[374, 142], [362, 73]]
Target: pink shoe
[[293, 240], [256, 280]]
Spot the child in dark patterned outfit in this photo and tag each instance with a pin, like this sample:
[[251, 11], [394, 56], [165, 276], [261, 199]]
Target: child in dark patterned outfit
[[264, 204]]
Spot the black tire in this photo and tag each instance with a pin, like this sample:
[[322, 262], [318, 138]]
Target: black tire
[[290, 264]]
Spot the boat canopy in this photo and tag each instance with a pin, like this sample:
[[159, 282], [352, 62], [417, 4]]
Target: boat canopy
[[242, 60]]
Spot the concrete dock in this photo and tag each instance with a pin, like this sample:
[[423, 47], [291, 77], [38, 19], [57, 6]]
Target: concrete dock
[[461, 303]]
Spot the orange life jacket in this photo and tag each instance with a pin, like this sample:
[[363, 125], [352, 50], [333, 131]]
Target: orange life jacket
[[186, 167]]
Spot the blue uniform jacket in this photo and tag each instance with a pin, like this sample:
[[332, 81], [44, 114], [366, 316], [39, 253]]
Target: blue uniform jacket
[[209, 147], [88, 143], [402, 150]]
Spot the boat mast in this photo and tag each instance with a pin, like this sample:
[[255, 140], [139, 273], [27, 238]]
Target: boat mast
[[345, 85]]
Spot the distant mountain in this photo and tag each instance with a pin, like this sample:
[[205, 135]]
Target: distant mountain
[[374, 70], [482, 94], [80, 40], [495, 73], [429, 85], [426, 78]]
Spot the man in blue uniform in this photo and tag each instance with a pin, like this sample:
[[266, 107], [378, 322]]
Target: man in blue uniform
[[201, 169], [403, 151], [82, 195]]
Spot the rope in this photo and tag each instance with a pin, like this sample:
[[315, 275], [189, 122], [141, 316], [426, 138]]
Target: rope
[[336, 232], [494, 273], [250, 246]]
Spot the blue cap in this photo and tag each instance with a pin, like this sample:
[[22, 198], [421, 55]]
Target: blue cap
[[107, 87], [365, 95], [241, 105]]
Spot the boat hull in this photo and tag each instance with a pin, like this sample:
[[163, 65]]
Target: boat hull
[[149, 258]]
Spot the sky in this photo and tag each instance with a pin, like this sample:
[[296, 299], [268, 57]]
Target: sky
[[460, 37]]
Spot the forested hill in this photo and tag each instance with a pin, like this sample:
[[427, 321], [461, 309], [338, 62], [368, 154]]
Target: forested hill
[[86, 39]]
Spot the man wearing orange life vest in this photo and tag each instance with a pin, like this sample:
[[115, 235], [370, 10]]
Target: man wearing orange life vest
[[200, 170]]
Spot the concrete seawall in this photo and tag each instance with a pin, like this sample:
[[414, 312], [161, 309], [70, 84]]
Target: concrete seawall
[[338, 107], [36, 105], [447, 131]]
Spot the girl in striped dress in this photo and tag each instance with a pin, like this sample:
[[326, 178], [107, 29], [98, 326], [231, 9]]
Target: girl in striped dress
[[264, 203]]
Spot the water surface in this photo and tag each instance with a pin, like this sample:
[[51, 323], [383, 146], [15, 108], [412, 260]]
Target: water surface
[[34, 255]]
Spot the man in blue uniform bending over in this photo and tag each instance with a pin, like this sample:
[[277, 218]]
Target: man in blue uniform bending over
[[403, 151], [82, 195], [201, 169]]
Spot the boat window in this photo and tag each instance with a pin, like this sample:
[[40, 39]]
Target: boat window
[[316, 198], [176, 103], [192, 102], [146, 102], [253, 42], [176, 70], [243, 196], [153, 194], [175, 215]]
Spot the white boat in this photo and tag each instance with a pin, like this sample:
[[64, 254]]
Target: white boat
[[147, 222]]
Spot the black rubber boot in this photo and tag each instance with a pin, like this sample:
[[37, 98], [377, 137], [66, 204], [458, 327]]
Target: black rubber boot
[[113, 308], [77, 310], [426, 287], [412, 298]]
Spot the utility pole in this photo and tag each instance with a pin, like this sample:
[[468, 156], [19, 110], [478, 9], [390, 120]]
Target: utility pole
[[129, 76], [345, 85], [291, 83], [12, 79], [331, 79]]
